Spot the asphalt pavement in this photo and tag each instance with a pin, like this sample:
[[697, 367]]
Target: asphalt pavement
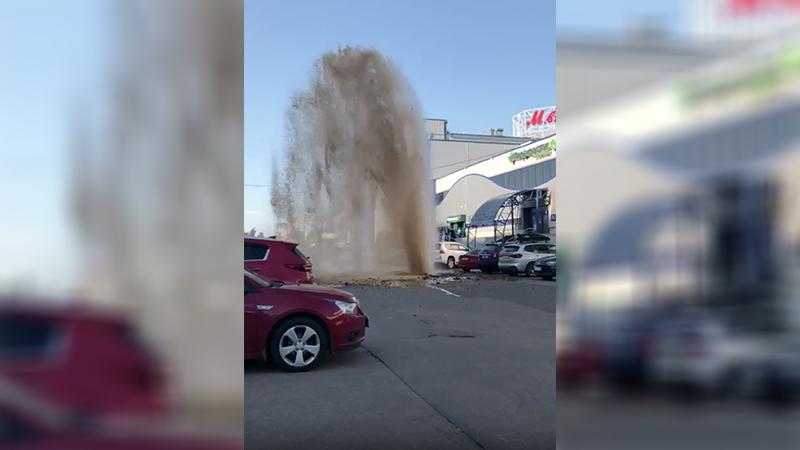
[[458, 365]]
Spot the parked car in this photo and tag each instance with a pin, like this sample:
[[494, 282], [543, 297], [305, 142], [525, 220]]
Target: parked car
[[545, 267], [295, 326], [519, 258], [448, 253], [700, 353], [488, 258], [273, 259], [81, 358], [30, 422], [627, 343], [469, 260]]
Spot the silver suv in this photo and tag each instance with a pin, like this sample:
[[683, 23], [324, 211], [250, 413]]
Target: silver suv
[[516, 258]]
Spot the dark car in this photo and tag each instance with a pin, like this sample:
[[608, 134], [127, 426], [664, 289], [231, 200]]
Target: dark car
[[488, 257], [273, 259], [545, 268], [469, 260], [629, 348], [80, 357], [295, 326], [776, 373]]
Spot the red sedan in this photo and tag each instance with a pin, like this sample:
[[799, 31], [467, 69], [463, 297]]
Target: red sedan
[[469, 261], [295, 326]]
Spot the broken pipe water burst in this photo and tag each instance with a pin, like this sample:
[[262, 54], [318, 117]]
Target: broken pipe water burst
[[355, 189]]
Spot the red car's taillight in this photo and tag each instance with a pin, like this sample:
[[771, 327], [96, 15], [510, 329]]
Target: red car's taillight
[[301, 267]]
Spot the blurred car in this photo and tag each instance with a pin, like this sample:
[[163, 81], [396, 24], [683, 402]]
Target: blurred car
[[700, 353], [627, 342], [774, 376], [273, 259], [448, 253], [578, 362], [488, 258], [295, 326], [545, 267], [28, 422], [519, 258], [469, 260], [82, 358]]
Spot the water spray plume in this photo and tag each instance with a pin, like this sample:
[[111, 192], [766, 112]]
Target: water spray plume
[[354, 188]]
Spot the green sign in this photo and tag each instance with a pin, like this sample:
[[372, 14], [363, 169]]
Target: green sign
[[760, 79], [538, 152], [456, 219]]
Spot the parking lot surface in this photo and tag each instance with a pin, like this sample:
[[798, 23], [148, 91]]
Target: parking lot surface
[[461, 364], [612, 423]]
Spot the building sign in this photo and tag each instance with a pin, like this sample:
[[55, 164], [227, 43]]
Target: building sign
[[756, 7], [755, 80], [534, 122], [538, 152]]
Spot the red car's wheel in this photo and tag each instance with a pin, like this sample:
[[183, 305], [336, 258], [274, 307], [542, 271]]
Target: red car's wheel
[[297, 345]]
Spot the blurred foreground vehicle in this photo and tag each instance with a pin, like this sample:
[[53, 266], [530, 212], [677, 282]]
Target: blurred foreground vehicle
[[520, 258], [296, 326], [579, 361], [774, 377], [700, 354], [448, 253], [31, 423], [85, 359], [277, 260]]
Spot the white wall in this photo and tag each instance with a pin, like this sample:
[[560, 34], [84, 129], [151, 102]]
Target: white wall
[[496, 165]]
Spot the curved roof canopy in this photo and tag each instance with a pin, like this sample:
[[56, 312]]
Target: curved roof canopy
[[486, 214]]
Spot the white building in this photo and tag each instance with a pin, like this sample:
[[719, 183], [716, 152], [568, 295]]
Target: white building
[[491, 185]]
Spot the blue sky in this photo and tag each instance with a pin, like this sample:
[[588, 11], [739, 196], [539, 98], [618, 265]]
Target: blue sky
[[51, 58], [473, 63]]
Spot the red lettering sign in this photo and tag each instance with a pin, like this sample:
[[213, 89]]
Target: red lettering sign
[[536, 118], [754, 7]]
